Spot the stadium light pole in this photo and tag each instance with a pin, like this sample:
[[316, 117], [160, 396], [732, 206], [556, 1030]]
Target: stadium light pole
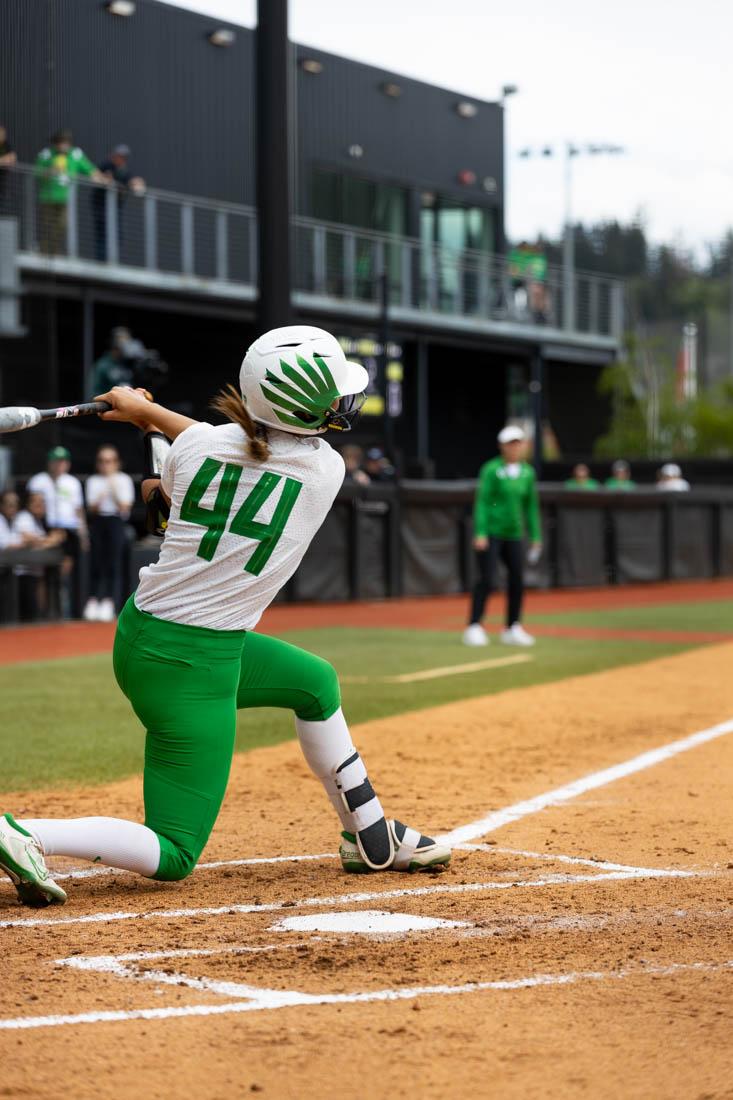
[[568, 248], [507, 90], [273, 163]]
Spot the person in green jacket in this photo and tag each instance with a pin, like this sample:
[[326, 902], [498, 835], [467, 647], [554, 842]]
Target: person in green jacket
[[506, 506], [56, 166], [620, 479], [581, 478]]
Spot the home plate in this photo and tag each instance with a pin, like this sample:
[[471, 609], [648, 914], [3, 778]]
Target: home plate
[[370, 921]]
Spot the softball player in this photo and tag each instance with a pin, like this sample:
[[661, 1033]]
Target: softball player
[[245, 501]]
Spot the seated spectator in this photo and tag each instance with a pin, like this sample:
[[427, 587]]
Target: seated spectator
[[670, 479], [27, 531], [64, 504], [377, 466], [620, 479], [10, 537], [119, 176], [353, 457], [110, 496], [8, 159], [581, 478], [56, 167]]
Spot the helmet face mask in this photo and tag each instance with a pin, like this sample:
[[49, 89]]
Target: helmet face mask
[[297, 379]]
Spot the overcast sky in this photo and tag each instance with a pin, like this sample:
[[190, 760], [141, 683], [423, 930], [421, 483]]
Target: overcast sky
[[652, 75]]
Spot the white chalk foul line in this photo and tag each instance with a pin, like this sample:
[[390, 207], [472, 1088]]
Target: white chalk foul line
[[591, 782], [95, 872], [348, 899], [263, 999], [439, 673], [601, 864], [462, 836]]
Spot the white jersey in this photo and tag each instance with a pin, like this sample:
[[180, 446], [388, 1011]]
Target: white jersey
[[238, 528], [111, 496], [63, 497]]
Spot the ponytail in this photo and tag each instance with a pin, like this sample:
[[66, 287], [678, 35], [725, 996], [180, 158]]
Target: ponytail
[[230, 404]]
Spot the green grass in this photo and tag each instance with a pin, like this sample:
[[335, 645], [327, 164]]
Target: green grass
[[710, 615], [67, 722]]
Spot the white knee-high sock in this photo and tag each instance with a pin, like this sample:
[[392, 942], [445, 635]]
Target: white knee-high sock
[[108, 840], [330, 753]]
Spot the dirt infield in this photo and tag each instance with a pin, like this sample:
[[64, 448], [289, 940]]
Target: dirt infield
[[582, 949], [44, 643]]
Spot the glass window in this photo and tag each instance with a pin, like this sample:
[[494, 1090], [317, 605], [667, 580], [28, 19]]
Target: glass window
[[365, 204]]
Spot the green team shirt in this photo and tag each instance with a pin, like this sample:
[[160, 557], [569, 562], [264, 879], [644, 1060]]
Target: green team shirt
[[505, 506], [620, 483], [55, 172], [589, 483]]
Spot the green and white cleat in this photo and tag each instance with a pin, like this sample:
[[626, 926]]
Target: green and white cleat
[[23, 862], [412, 852]]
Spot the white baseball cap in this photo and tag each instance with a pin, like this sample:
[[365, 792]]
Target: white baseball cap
[[511, 434], [671, 469]]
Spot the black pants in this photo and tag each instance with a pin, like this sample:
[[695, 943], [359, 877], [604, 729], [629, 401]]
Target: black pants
[[107, 544], [510, 552]]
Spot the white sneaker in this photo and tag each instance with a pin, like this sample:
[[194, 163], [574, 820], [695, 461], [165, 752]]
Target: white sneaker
[[106, 611], [91, 611], [475, 635], [516, 635], [22, 861]]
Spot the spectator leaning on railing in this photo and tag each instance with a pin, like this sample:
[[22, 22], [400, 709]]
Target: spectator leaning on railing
[[119, 176], [64, 500], [670, 479], [110, 496], [581, 478], [620, 479], [8, 160], [56, 167]]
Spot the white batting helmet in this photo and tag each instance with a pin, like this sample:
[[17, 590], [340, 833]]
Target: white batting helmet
[[299, 380]]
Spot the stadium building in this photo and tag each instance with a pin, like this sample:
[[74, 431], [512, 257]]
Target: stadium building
[[396, 236]]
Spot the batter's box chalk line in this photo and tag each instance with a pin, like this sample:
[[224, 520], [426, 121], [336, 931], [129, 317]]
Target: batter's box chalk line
[[261, 999], [256, 999]]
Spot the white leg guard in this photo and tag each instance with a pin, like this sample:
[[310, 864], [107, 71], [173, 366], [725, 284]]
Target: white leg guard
[[332, 757], [108, 840]]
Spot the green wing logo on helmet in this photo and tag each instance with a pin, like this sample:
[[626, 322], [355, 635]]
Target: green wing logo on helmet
[[304, 400]]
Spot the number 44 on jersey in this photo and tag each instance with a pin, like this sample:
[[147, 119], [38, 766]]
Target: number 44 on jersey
[[244, 523]]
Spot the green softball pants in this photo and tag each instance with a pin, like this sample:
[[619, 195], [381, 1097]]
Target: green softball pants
[[185, 684]]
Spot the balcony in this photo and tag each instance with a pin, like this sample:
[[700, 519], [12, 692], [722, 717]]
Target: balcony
[[187, 245]]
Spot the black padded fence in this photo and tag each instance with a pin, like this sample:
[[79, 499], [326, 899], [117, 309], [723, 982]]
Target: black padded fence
[[414, 539]]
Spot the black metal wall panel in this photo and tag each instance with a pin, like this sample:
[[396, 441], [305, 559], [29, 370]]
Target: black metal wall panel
[[186, 107], [638, 536], [417, 138], [691, 541], [324, 572], [581, 546], [431, 547], [152, 81], [726, 541]]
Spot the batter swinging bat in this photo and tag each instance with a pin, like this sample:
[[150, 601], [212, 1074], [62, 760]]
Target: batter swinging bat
[[15, 418]]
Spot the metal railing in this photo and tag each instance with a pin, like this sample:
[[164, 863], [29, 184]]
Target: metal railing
[[160, 234], [334, 261]]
